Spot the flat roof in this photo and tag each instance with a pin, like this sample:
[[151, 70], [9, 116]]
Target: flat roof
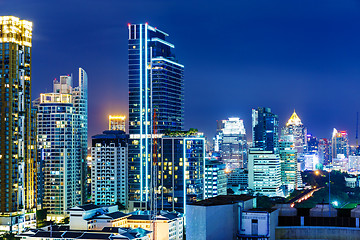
[[223, 200]]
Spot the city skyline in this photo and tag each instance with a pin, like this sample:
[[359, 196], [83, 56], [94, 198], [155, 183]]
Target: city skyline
[[303, 65]]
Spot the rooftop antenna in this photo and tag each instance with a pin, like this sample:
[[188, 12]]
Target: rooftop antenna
[[357, 129]]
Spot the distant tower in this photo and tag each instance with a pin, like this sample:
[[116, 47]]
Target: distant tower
[[117, 123], [265, 126], [339, 144], [230, 142], [295, 127]]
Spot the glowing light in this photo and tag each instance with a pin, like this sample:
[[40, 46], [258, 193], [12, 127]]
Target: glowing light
[[335, 203], [294, 120]]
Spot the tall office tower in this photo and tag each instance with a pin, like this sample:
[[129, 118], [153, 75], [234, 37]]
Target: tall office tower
[[289, 163], [117, 123], [181, 171], [312, 144], [295, 127], [264, 172], [339, 144], [17, 142], [324, 151], [156, 101], [109, 168], [230, 142], [215, 178], [60, 129], [265, 129]]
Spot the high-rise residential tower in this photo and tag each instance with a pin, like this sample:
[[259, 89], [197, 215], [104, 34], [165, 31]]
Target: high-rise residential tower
[[109, 168], [265, 127], [62, 130], [295, 127], [17, 135], [156, 101], [230, 142]]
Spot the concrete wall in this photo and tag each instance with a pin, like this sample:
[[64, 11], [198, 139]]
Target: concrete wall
[[211, 222], [329, 233]]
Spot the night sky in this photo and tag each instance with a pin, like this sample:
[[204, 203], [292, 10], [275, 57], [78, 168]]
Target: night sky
[[238, 55]]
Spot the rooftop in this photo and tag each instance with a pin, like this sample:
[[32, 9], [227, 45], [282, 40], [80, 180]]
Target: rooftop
[[223, 200]]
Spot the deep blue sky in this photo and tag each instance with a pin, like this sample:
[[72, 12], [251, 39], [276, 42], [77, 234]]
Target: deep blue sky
[[238, 55]]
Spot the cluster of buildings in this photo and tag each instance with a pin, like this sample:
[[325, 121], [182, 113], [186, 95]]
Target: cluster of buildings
[[155, 170], [156, 166]]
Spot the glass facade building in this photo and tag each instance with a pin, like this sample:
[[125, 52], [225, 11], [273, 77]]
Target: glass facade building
[[265, 127], [181, 171], [156, 101], [17, 135]]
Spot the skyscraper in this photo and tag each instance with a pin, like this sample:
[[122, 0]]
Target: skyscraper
[[61, 130], [339, 144], [324, 151], [17, 138], [156, 101], [265, 127], [230, 142], [109, 168], [295, 127], [289, 163]]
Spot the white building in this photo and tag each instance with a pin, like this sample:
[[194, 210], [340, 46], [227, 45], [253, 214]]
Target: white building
[[109, 168], [264, 172], [62, 145], [311, 161], [215, 179], [167, 225]]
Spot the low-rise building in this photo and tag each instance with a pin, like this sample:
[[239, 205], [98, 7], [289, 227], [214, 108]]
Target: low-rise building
[[63, 232], [164, 225], [229, 217], [351, 182]]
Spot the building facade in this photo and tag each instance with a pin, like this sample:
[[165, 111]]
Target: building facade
[[230, 142], [61, 126], [289, 163], [215, 178], [156, 101], [265, 129], [181, 171], [18, 140], [339, 144], [109, 168], [117, 123], [264, 172]]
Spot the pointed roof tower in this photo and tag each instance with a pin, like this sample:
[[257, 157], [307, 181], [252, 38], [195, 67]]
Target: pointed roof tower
[[294, 120]]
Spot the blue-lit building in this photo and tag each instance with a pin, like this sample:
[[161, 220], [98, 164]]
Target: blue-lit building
[[265, 125], [156, 101]]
